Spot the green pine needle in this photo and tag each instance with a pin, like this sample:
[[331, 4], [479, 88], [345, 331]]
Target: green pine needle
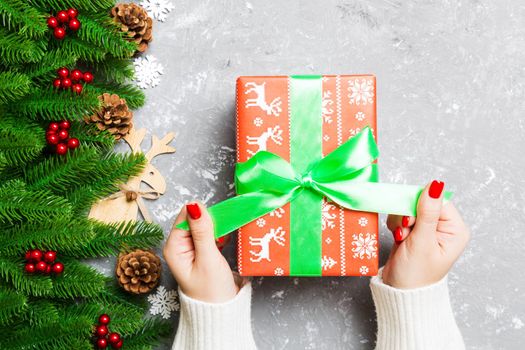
[[18, 14], [13, 86]]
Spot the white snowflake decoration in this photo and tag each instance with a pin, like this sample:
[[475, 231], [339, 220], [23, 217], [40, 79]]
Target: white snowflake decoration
[[360, 92], [364, 245], [326, 138], [327, 262], [279, 212], [278, 271], [362, 221], [157, 9], [258, 121], [147, 71], [327, 218], [360, 116], [163, 302], [356, 131], [328, 240], [260, 222], [363, 270], [327, 111]]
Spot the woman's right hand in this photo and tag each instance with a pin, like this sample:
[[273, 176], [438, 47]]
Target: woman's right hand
[[427, 246]]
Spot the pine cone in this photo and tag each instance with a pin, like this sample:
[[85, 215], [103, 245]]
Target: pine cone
[[138, 272], [114, 116], [134, 21]]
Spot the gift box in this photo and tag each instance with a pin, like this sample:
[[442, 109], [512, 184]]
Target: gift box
[[302, 119]]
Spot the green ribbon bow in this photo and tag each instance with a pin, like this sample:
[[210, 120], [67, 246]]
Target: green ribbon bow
[[347, 176]]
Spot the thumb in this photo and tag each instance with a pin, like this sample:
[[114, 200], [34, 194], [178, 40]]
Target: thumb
[[201, 228], [428, 212]]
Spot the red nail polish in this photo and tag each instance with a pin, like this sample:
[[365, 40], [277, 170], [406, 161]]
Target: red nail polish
[[436, 187], [404, 221], [194, 210], [398, 235], [221, 240]]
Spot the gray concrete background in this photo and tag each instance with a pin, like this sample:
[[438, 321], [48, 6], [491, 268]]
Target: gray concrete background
[[450, 85]]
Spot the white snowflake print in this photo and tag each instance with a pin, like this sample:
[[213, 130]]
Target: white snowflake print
[[163, 302], [364, 245], [360, 91], [327, 110], [362, 221], [157, 9], [327, 262], [260, 222], [258, 121], [278, 271], [328, 240], [356, 131], [360, 116], [326, 138], [278, 213], [363, 270], [147, 71], [327, 218]]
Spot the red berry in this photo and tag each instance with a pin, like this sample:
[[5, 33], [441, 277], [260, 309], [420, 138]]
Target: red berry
[[61, 149], [62, 16], [103, 319], [36, 255], [101, 331], [64, 124], [53, 126], [114, 338], [102, 343], [117, 345], [74, 24], [57, 268], [52, 22], [76, 75], [59, 33], [56, 83], [63, 134], [66, 83], [77, 88], [52, 139], [63, 72], [41, 266], [28, 255], [50, 256], [72, 13], [30, 268], [48, 270], [73, 143], [88, 77]]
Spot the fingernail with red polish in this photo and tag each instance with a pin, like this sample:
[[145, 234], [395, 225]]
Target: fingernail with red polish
[[194, 210], [398, 235], [436, 187], [404, 221], [221, 240]]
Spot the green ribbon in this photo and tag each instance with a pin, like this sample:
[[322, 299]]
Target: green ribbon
[[347, 176]]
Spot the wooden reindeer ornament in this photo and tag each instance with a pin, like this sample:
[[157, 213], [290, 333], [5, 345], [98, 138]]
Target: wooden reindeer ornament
[[125, 204]]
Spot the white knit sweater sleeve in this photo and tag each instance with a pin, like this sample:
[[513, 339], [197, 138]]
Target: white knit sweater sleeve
[[410, 319], [206, 326]]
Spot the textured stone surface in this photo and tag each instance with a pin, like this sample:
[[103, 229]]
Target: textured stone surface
[[450, 106]]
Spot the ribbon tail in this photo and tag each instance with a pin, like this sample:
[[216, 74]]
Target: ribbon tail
[[376, 197], [235, 212]]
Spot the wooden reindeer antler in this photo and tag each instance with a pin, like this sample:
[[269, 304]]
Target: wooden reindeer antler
[[160, 146], [135, 138]]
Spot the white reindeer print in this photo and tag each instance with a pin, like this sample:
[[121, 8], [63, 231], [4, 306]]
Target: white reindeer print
[[276, 235], [274, 108], [274, 134]]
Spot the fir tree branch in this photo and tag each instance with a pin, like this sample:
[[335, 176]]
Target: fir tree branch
[[11, 304], [13, 86], [82, 50], [15, 49], [12, 272], [49, 63], [50, 104], [77, 280], [26, 19], [40, 311], [148, 336], [100, 30], [114, 69], [90, 136], [20, 140], [96, 6], [18, 203]]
